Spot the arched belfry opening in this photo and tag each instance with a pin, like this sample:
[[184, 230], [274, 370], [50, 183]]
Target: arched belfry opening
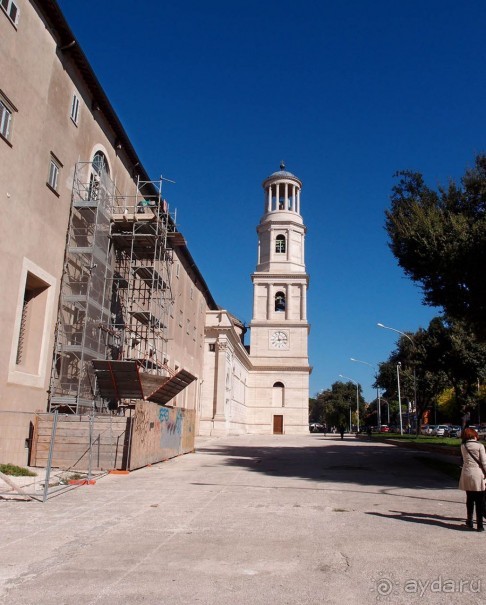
[[280, 301], [280, 244]]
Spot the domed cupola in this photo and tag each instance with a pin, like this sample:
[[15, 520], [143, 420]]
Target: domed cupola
[[282, 192]]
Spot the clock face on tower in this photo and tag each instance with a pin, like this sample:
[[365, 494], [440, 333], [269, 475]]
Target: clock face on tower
[[279, 340]]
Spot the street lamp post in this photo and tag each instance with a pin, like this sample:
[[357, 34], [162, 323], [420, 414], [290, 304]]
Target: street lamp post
[[399, 398], [357, 399], [380, 325], [377, 389], [388, 408]]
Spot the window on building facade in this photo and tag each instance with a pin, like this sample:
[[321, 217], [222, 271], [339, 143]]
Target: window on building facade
[[100, 163], [75, 109], [30, 337], [54, 170], [212, 347], [6, 114], [11, 9], [280, 301], [280, 244], [99, 167]]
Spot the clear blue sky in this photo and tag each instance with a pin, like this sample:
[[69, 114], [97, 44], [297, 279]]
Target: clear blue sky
[[214, 94]]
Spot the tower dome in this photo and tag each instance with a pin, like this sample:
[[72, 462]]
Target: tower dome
[[282, 192]]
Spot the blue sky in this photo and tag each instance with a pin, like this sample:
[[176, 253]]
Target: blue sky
[[215, 94]]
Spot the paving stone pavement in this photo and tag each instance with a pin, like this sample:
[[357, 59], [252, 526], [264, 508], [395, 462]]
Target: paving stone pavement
[[251, 520]]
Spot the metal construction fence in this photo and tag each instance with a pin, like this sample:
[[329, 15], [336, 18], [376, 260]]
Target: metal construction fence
[[69, 450]]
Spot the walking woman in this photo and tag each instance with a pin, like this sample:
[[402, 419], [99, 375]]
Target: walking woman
[[472, 476]]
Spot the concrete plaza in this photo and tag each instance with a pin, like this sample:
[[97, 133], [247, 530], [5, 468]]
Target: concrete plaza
[[250, 520]]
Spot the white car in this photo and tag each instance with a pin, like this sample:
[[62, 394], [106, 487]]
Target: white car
[[440, 430]]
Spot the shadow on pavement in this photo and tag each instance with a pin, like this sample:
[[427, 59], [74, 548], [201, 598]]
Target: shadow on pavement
[[333, 460], [424, 519]]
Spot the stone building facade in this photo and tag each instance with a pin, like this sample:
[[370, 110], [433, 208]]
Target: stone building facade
[[56, 122]]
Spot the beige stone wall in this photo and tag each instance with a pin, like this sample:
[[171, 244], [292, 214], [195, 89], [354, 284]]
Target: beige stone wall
[[224, 395], [186, 330]]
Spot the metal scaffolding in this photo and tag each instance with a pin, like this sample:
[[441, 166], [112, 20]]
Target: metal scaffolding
[[115, 291]]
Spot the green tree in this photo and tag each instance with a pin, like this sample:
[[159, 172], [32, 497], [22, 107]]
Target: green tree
[[445, 356], [336, 403], [453, 352], [439, 240]]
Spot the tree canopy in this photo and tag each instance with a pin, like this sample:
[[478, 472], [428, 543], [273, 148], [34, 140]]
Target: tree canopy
[[439, 240], [445, 356]]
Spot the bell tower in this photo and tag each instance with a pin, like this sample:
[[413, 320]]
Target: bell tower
[[279, 327]]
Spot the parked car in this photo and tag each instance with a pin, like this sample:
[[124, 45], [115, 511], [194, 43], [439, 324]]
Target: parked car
[[440, 430], [453, 431], [316, 427], [384, 428], [428, 429]]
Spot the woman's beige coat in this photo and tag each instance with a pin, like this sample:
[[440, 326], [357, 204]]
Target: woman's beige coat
[[472, 475]]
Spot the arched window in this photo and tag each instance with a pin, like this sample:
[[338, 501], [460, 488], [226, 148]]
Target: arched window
[[99, 168], [280, 301], [280, 244], [100, 163], [278, 395]]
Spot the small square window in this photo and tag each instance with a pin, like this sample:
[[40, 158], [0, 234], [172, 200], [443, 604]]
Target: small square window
[[54, 169], [11, 10], [75, 109]]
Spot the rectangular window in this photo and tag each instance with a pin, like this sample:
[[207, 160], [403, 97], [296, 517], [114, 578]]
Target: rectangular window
[[6, 114], [31, 323], [11, 9], [75, 109], [32, 327], [54, 169], [5, 120], [212, 347], [180, 318]]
